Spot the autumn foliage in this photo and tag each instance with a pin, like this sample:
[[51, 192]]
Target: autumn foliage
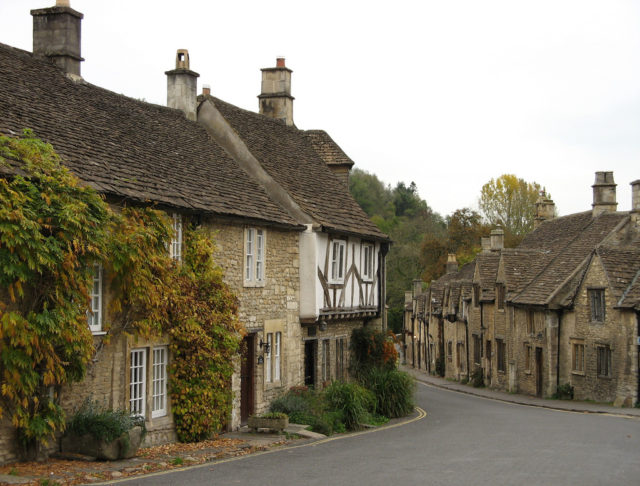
[[52, 231]]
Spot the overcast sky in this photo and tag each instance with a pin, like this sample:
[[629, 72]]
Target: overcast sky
[[445, 93]]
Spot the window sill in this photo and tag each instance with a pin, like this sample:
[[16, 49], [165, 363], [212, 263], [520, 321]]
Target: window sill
[[527, 372], [253, 284], [268, 385], [596, 323], [99, 333], [578, 373], [603, 377]]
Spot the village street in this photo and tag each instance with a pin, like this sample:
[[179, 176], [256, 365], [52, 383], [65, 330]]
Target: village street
[[462, 440]]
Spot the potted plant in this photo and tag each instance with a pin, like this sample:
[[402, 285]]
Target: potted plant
[[274, 421]]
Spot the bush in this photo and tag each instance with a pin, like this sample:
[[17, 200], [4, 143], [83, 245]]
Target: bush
[[477, 378], [102, 423], [352, 401], [371, 348], [393, 391], [564, 392], [440, 366]]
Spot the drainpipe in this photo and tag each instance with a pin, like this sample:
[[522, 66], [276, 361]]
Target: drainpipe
[[482, 350], [638, 356], [560, 312], [466, 329]]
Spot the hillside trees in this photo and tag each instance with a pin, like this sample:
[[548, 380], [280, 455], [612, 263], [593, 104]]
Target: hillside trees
[[406, 218]]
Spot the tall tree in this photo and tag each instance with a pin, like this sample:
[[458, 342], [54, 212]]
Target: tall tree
[[509, 202]]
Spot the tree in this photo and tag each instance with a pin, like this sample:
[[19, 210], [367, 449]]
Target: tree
[[509, 202]]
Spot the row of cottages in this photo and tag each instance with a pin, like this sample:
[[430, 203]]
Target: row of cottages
[[304, 260], [561, 308]]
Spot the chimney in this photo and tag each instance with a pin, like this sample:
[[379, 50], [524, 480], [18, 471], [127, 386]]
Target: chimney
[[206, 90], [485, 242], [497, 239], [182, 86], [57, 36], [276, 100], [635, 201], [417, 287], [452, 263], [604, 194], [545, 209]]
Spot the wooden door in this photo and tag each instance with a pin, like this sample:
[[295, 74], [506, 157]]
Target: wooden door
[[310, 362], [247, 372]]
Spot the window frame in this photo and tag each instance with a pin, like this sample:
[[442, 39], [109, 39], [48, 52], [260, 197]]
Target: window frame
[[577, 357], [337, 265], [175, 246], [500, 296], [476, 295], [450, 351], [501, 349], [527, 357], [368, 252], [277, 343], [94, 314], [603, 351], [326, 360], [138, 382], [268, 372], [477, 350], [597, 305], [159, 383], [254, 257]]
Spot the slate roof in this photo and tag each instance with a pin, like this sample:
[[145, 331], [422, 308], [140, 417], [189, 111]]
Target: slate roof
[[520, 265], [330, 151], [487, 264], [569, 241], [125, 147], [291, 159], [622, 267]]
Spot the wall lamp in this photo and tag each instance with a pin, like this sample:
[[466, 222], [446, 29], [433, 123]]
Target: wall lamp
[[265, 346]]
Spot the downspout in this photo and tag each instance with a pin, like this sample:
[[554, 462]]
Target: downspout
[[466, 344], [482, 350], [560, 312], [638, 356]]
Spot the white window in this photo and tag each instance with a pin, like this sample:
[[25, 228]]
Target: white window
[[95, 313], [276, 356], [137, 384], [254, 256], [338, 248], [159, 395], [367, 262], [267, 358], [175, 249]]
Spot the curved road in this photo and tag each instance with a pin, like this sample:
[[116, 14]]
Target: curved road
[[462, 440]]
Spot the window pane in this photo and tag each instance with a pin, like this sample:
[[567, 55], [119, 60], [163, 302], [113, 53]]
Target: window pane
[[159, 405], [95, 315], [137, 382], [267, 360], [276, 364]]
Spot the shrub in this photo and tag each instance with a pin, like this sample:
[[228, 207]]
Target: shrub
[[102, 423], [393, 391], [477, 378], [564, 392], [372, 348], [352, 401], [440, 366]]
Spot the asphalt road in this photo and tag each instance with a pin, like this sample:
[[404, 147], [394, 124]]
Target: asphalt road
[[463, 440]]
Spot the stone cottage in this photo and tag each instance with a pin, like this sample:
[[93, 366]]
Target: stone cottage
[[559, 311], [304, 260]]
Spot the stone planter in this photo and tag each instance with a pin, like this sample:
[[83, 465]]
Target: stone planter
[[124, 447], [273, 424]]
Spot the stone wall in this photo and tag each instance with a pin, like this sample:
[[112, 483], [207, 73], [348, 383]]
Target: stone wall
[[276, 300]]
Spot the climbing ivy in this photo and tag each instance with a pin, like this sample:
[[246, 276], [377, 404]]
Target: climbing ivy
[[52, 231]]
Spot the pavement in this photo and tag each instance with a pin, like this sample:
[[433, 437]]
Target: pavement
[[565, 405], [63, 470]]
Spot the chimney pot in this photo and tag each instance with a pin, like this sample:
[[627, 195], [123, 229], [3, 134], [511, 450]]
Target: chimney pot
[[417, 287], [485, 242], [635, 196], [182, 86], [604, 194], [280, 62], [545, 209], [62, 3], [206, 90]]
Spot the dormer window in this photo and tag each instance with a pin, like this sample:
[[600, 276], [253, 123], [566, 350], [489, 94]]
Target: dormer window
[[337, 259], [175, 248], [367, 261]]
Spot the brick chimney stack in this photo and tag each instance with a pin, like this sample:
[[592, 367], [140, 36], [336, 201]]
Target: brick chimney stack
[[57, 36], [182, 86], [275, 100], [604, 194]]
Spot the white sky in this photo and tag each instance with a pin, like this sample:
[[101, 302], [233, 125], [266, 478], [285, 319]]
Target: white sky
[[445, 93]]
